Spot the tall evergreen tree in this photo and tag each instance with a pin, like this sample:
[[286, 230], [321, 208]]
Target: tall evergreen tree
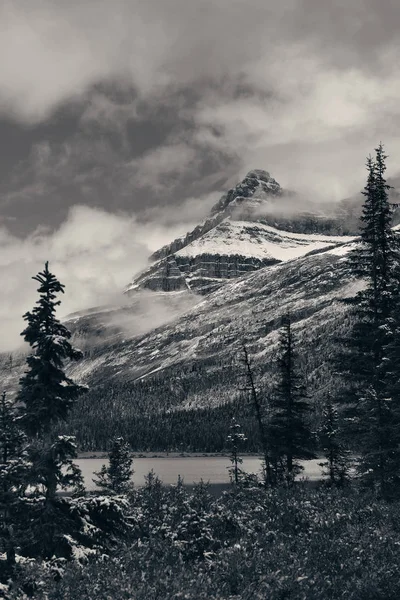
[[45, 397], [290, 434], [376, 256], [362, 258], [46, 393], [367, 362]]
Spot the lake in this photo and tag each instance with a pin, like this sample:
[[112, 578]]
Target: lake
[[191, 469]]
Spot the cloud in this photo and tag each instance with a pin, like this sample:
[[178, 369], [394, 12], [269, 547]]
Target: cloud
[[301, 89], [145, 311], [314, 130], [91, 170], [159, 169], [191, 210], [60, 49], [51, 60], [94, 253], [107, 111]]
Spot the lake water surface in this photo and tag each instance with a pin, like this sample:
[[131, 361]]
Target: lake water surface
[[193, 468]]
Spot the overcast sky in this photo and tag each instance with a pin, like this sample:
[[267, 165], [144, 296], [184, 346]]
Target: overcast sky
[[115, 112]]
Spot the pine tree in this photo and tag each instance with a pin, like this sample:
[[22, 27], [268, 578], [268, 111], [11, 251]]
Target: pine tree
[[235, 439], [50, 523], [391, 403], [46, 393], [12, 441], [336, 464], [290, 435], [45, 397], [362, 258], [116, 477], [368, 361], [53, 467]]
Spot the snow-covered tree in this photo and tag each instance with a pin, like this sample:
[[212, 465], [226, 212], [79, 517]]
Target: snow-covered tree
[[116, 476], [235, 440]]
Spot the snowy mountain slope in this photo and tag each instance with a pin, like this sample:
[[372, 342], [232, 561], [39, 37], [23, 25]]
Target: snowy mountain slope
[[200, 338], [201, 347], [257, 240], [229, 250], [256, 189]]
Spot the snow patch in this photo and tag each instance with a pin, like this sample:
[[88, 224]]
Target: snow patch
[[259, 241]]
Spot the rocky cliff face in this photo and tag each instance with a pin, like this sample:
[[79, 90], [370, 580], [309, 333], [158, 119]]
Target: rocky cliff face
[[243, 234], [201, 274]]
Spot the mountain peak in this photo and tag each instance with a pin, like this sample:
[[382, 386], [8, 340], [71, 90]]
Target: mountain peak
[[236, 239], [259, 174], [257, 184]]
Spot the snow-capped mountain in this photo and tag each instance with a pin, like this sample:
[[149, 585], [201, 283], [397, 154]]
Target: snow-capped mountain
[[245, 232]]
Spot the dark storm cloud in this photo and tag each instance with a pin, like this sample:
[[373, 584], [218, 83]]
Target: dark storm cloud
[[196, 89], [186, 57], [60, 49], [112, 161]]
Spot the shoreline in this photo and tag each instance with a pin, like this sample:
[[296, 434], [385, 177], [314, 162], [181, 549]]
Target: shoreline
[[136, 455]]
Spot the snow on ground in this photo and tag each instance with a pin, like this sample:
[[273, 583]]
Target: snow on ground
[[342, 250], [256, 240]]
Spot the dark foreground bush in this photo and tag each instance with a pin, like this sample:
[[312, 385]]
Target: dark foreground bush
[[249, 544]]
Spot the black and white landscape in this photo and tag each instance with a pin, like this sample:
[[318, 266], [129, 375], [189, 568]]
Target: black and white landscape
[[200, 310]]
